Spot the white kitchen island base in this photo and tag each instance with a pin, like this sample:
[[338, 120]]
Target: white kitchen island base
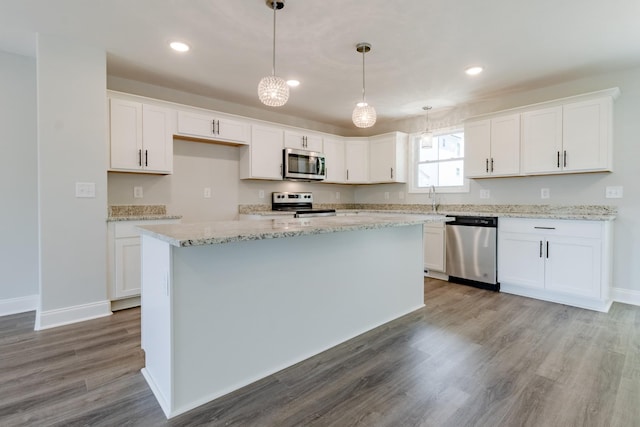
[[217, 317]]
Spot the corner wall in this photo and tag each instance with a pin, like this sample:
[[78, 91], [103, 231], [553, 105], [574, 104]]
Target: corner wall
[[71, 149], [18, 185]]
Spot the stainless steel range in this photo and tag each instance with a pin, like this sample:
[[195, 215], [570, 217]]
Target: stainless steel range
[[299, 203]]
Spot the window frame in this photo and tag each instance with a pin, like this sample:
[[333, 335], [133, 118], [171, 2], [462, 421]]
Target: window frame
[[414, 160]]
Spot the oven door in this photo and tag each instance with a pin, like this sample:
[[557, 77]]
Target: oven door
[[303, 165]]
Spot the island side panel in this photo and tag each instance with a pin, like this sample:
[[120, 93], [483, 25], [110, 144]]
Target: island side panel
[[156, 332], [248, 309]]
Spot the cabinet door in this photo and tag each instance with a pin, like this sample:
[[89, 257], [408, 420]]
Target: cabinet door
[[263, 158], [127, 267], [434, 250], [126, 135], [157, 139], [334, 156], [542, 141], [357, 161], [505, 146], [211, 127], [477, 147], [521, 259], [573, 265], [382, 159], [303, 141], [586, 136]]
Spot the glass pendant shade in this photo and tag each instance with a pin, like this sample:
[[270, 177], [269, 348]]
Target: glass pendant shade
[[364, 115], [273, 91], [426, 139]]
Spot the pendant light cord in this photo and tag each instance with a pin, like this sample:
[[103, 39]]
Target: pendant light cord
[[274, 3], [363, 85]]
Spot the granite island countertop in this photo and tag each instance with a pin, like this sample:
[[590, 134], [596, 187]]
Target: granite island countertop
[[572, 212], [220, 232]]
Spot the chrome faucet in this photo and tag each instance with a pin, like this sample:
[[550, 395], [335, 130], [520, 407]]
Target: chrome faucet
[[432, 196]]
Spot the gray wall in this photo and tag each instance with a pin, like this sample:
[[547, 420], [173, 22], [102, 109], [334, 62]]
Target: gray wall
[[18, 177], [72, 148]]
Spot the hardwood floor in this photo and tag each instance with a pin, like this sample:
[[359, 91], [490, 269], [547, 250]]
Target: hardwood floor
[[469, 358]]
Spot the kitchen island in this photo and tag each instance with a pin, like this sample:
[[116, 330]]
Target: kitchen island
[[227, 303]]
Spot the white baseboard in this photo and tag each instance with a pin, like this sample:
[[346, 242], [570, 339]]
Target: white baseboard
[[18, 305], [78, 313], [626, 296]]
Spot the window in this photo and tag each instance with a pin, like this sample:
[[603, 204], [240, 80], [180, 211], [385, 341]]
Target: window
[[441, 165]]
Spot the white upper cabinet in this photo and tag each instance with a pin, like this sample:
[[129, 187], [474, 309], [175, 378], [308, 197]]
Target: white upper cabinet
[[492, 147], [356, 151], [542, 140], [587, 135], [333, 150], [141, 137], [263, 158], [574, 137], [303, 141], [215, 127], [388, 158]]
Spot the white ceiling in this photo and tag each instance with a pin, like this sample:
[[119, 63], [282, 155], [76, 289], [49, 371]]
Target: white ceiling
[[420, 48]]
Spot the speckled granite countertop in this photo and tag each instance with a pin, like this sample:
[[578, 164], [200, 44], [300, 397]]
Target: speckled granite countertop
[[581, 212], [138, 213], [218, 232]]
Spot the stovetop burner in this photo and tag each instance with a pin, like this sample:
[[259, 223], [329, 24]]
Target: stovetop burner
[[300, 203]]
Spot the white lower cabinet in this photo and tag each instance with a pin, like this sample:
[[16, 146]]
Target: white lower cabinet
[[124, 257], [566, 261], [434, 247]]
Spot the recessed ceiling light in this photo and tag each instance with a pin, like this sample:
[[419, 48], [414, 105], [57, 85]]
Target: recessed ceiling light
[[179, 46], [293, 83], [473, 71]]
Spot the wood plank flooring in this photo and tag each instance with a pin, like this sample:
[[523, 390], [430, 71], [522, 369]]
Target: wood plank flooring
[[469, 358]]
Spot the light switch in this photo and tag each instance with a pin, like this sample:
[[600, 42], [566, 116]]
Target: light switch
[[207, 192], [85, 189], [613, 192], [544, 193]]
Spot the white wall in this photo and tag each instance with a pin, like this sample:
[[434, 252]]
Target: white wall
[[72, 148], [18, 184], [565, 189]]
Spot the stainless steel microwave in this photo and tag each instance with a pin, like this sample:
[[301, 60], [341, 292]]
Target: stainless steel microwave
[[303, 165]]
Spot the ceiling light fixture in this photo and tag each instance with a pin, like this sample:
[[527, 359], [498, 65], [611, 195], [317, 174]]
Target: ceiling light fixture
[[474, 71], [426, 137], [273, 90], [179, 46], [293, 83], [364, 115]]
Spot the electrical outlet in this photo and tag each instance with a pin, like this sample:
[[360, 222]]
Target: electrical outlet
[[386, 195], [485, 194], [544, 193], [207, 192], [137, 193], [401, 195], [613, 192], [260, 194], [337, 195]]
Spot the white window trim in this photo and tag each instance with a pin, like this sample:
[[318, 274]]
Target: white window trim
[[413, 189]]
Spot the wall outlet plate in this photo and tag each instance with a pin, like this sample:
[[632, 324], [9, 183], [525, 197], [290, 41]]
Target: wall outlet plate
[[207, 192], [337, 195], [613, 192], [260, 194], [138, 193], [386, 195], [545, 193], [485, 194], [85, 189]]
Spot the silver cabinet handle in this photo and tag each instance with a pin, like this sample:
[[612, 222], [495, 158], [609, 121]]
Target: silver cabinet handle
[[391, 173], [540, 248], [544, 228], [564, 160], [140, 158], [486, 165], [347, 174]]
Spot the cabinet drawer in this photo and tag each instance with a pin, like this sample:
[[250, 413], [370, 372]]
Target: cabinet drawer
[[556, 227]]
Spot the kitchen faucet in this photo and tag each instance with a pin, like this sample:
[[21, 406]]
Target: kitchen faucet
[[432, 196]]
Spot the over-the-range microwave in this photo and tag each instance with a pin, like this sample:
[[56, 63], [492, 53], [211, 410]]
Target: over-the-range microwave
[[303, 165]]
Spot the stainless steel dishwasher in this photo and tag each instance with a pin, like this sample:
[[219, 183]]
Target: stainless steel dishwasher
[[472, 251]]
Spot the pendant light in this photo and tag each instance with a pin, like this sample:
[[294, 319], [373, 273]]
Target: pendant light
[[426, 137], [273, 90], [364, 115]]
